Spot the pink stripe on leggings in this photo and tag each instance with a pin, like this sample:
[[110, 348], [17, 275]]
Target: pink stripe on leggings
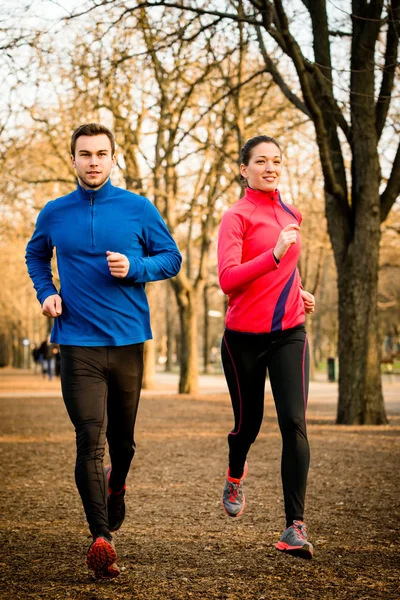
[[238, 386]]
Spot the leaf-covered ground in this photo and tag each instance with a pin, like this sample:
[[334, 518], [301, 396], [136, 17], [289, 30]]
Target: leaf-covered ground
[[176, 542]]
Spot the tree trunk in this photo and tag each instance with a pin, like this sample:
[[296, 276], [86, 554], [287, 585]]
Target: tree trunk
[[360, 389], [360, 386], [169, 330], [149, 361], [149, 356], [310, 338], [189, 355], [4, 349], [206, 343]]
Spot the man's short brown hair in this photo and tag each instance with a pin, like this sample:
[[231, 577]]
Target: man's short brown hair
[[92, 129]]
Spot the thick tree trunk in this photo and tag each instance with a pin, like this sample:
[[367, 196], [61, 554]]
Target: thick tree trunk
[[360, 389]]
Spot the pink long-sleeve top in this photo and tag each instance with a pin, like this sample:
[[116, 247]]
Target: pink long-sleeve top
[[263, 294]]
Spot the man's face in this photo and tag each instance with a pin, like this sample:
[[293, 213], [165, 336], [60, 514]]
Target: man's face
[[93, 160]]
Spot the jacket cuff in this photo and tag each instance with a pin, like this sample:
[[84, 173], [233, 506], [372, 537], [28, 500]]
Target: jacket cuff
[[50, 291], [132, 273], [272, 262]]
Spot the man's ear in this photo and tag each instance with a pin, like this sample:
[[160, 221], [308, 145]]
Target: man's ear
[[73, 161]]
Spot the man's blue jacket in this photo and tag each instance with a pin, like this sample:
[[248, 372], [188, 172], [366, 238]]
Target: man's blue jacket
[[97, 308]]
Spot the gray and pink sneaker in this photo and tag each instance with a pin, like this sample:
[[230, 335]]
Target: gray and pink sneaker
[[233, 500], [294, 541]]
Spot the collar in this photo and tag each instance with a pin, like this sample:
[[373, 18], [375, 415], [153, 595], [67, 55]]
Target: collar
[[258, 196], [100, 194]]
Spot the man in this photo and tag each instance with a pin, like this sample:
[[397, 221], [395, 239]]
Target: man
[[109, 242]]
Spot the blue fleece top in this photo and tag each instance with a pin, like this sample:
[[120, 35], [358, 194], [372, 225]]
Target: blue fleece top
[[97, 308]]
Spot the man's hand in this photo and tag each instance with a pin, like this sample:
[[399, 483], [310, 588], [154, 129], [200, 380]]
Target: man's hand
[[51, 307], [309, 301], [118, 264], [287, 237]]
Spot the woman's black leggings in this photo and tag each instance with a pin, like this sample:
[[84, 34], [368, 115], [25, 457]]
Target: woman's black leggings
[[246, 358], [101, 388]]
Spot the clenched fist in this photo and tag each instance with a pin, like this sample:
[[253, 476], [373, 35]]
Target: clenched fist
[[118, 264], [52, 306], [287, 237]]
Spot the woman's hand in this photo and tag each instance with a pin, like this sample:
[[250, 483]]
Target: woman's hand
[[309, 301], [287, 237]]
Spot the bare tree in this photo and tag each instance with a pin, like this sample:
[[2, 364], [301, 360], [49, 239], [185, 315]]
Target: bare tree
[[350, 121]]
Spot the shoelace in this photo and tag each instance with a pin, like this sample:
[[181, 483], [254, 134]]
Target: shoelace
[[301, 529], [233, 491]]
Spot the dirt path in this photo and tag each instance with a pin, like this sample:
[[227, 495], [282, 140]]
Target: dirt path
[[176, 542]]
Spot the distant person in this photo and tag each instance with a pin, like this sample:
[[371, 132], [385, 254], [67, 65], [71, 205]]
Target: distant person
[[258, 252], [36, 358], [110, 242], [52, 351], [43, 351]]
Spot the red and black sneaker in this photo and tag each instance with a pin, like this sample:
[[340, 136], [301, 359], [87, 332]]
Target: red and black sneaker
[[115, 505], [101, 558]]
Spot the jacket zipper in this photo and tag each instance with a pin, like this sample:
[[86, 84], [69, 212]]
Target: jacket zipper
[[91, 196], [276, 216]]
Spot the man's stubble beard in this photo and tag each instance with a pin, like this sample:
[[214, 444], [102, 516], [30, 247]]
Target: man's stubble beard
[[92, 186]]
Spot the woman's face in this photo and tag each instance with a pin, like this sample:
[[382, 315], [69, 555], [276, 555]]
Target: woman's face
[[264, 169]]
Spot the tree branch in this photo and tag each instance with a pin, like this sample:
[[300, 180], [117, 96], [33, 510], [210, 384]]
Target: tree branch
[[392, 190], [392, 43], [200, 11], [331, 184], [277, 77]]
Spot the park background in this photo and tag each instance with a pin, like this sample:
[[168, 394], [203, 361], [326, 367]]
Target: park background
[[183, 89]]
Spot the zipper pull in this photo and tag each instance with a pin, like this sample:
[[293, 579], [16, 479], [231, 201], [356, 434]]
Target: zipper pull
[[91, 196]]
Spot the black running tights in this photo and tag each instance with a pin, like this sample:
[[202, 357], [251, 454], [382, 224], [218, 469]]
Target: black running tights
[[101, 388], [246, 358]]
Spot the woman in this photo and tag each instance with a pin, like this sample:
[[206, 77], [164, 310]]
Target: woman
[[258, 252]]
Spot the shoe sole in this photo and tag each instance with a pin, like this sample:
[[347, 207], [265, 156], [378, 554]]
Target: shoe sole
[[101, 557], [304, 551]]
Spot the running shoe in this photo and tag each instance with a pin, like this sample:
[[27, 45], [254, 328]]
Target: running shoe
[[233, 500], [115, 505], [294, 541], [101, 558]]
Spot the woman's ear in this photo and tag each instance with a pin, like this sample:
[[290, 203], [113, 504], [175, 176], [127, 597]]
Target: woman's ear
[[243, 171]]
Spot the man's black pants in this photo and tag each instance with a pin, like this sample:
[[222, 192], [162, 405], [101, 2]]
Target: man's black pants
[[101, 389]]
